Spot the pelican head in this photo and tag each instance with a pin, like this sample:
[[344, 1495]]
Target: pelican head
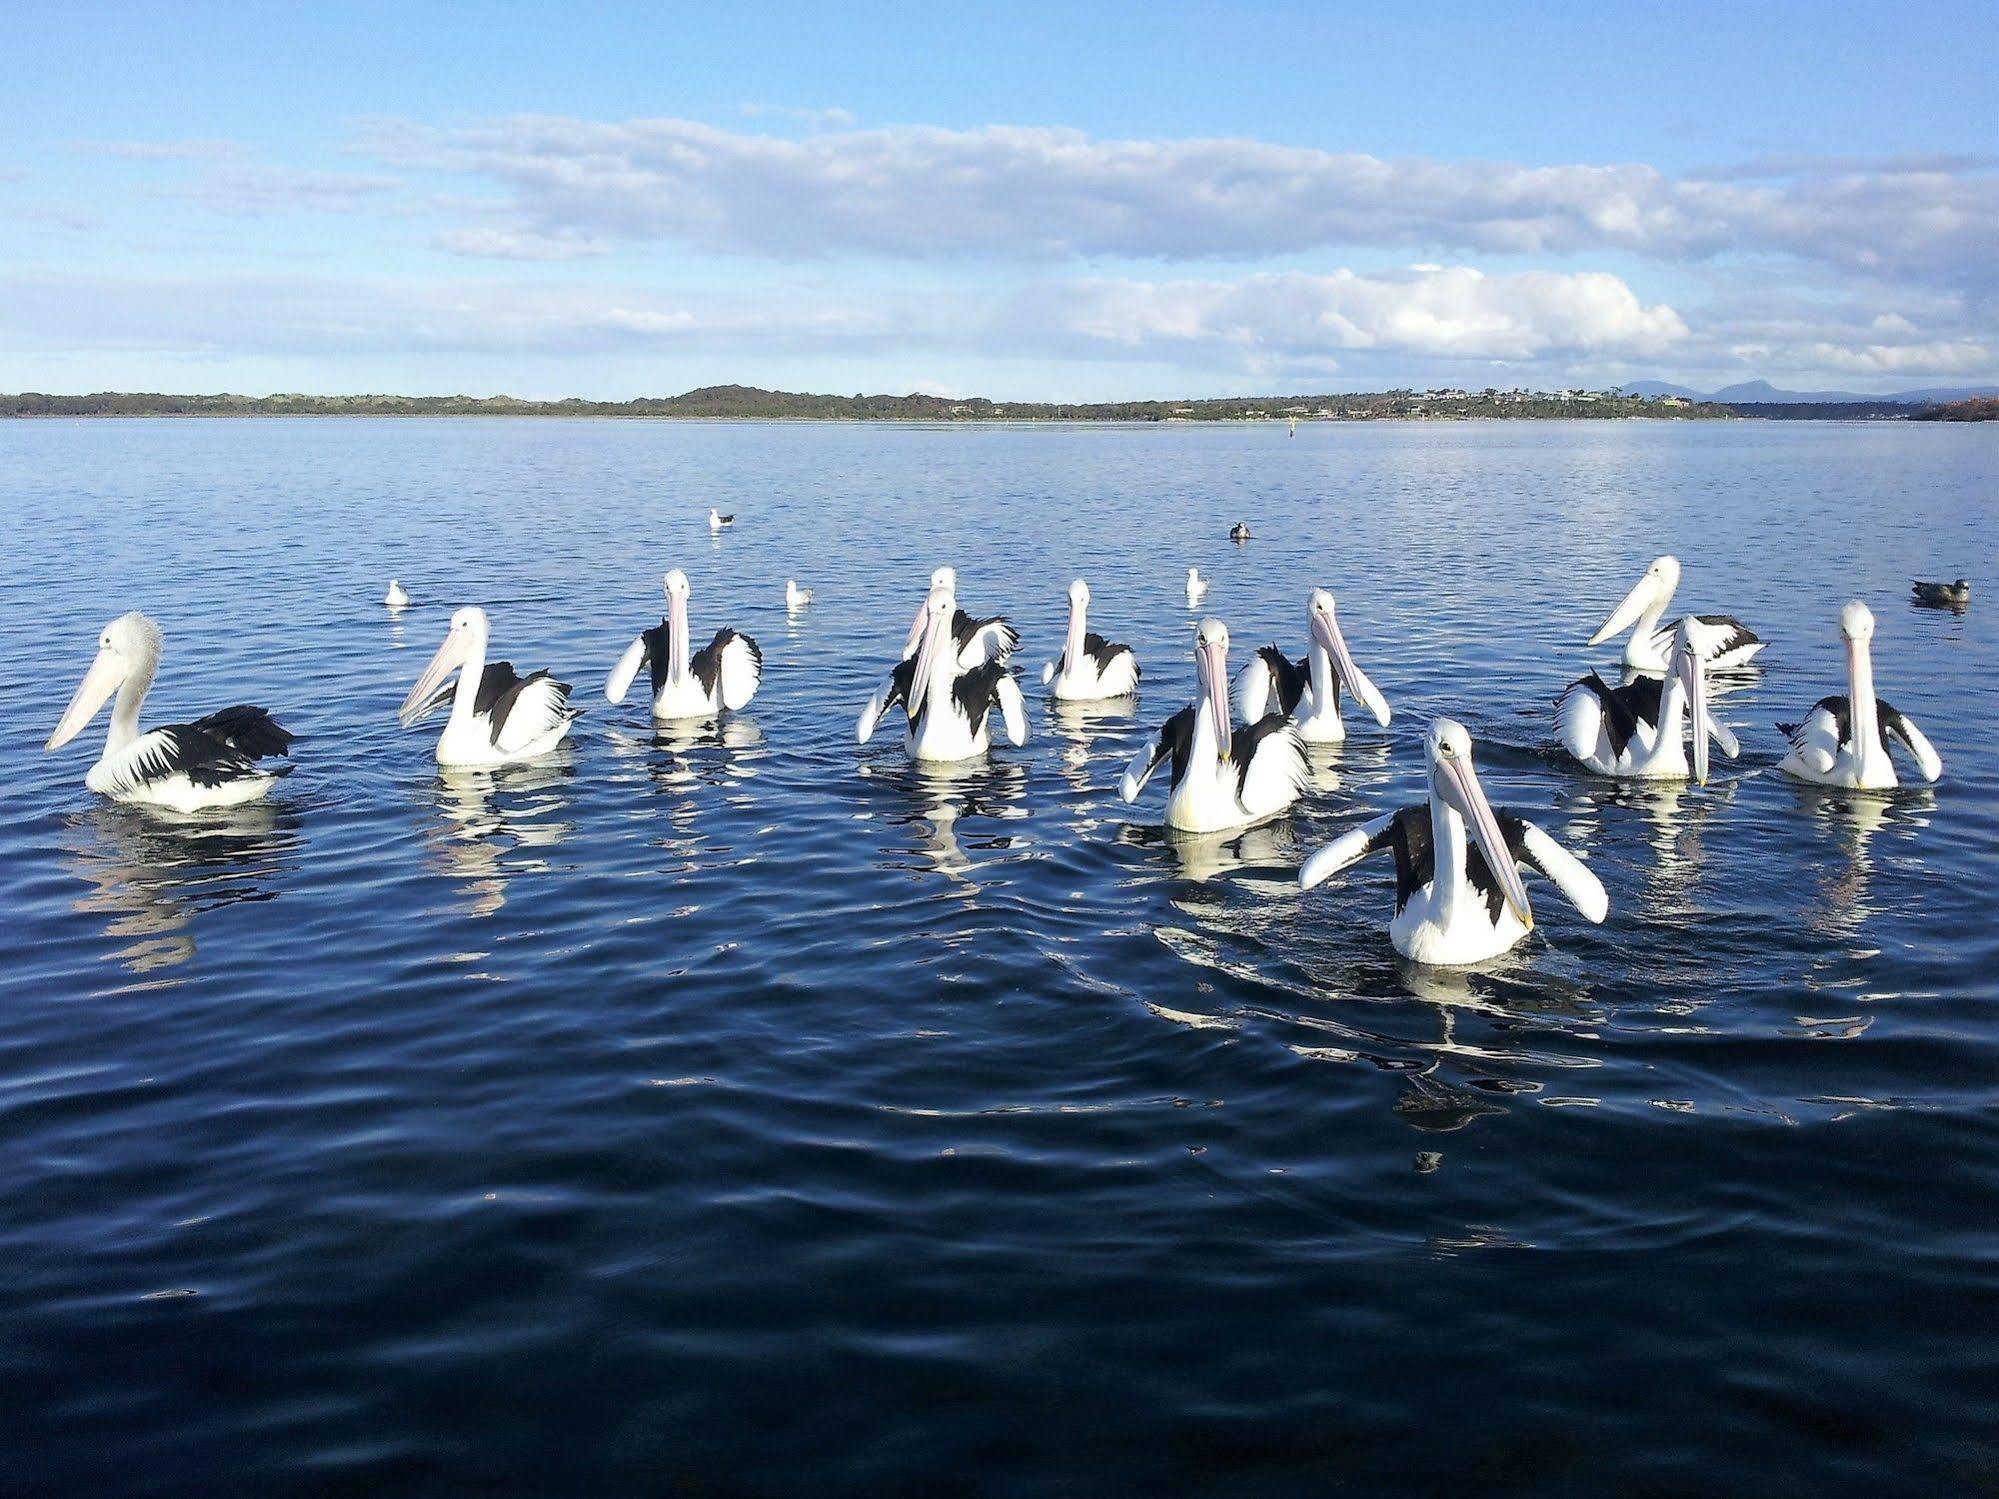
[[1655, 588], [1693, 644], [675, 584], [1079, 594], [1856, 622], [1324, 624], [1454, 782], [464, 641], [127, 647], [1211, 664]]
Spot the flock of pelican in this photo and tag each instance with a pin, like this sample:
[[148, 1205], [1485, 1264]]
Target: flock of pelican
[[1234, 756]]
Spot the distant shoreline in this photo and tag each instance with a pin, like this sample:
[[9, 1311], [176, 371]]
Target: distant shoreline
[[749, 404]]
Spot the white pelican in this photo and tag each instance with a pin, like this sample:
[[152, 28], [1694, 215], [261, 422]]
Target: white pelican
[[497, 716], [978, 640], [1732, 643], [1221, 779], [1197, 588], [396, 597], [1459, 901], [1843, 741], [184, 767], [1239, 531], [1090, 668], [1638, 731], [717, 520], [1308, 690], [794, 596], [950, 705], [724, 673]]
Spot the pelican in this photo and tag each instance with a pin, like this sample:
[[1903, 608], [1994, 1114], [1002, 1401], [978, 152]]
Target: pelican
[[1239, 531], [976, 643], [1637, 731], [1197, 588], [1308, 690], [184, 767], [1843, 741], [1456, 901], [950, 705], [723, 674], [1942, 595], [717, 520], [1090, 668], [1221, 779], [1732, 643], [978, 640], [396, 598], [497, 716], [794, 596]]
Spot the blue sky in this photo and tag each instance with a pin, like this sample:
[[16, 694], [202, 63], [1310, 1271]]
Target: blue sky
[[1023, 200]]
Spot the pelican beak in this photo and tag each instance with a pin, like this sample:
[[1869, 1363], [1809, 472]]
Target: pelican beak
[[932, 626], [1694, 679], [106, 676], [450, 656], [1625, 615], [1459, 783], [1326, 630], [1212, 660], [916, 631]]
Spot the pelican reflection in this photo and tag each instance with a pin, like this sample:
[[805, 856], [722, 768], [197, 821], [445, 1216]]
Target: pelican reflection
[[151, 876], [500, 823]]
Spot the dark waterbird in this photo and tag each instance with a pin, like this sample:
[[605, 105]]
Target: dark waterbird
[[1942, 595]]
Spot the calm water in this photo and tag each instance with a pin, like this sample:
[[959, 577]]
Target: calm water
[[749, 1114]]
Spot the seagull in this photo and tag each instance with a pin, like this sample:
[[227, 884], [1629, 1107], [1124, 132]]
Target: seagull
[[396, 598], [1239, 531], [794, 596], [1197, 588], [717, 520]]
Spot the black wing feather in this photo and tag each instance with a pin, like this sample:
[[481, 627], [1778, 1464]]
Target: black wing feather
[[659, 652], [1289, 677], [1248, 741], [964, 627], [500, 687], [1104, 652], [248, 730], [707, 662], [976, 692]]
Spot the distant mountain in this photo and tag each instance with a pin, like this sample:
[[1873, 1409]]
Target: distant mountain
[[1763, 393]]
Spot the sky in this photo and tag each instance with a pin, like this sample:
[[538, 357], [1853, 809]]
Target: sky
[[1025, 201]]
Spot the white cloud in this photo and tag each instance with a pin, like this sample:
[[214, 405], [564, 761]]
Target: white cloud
[[198, 148], [1003, 191], [254, 191], [515, 244], [1300, 331], [1426, 311]]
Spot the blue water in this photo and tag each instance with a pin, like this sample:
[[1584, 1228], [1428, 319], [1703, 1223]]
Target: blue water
[[752, 1114]]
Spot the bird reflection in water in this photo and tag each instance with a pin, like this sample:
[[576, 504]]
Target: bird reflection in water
[[956, 809], [1839, 907], [152, 874], [1676, 817], [498, 824]]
